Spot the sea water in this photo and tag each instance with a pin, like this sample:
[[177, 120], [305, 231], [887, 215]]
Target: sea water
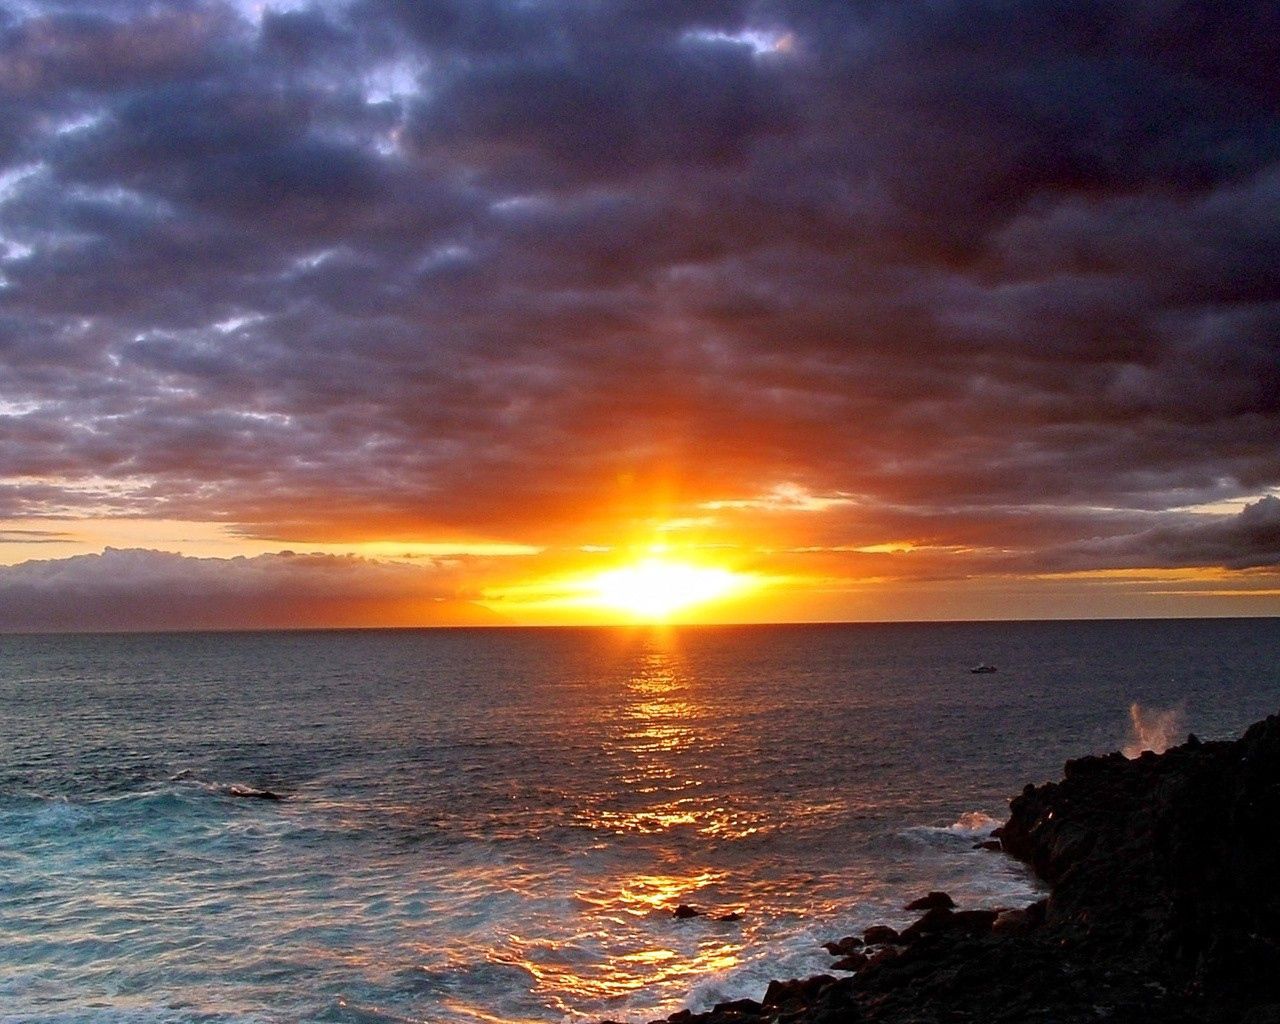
[[497, 824]]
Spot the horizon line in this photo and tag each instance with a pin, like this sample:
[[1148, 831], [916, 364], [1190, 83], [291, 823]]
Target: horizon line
[[631, 626]]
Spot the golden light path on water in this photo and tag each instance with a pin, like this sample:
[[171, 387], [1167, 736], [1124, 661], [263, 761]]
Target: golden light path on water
[[655, 742], [664, 781]]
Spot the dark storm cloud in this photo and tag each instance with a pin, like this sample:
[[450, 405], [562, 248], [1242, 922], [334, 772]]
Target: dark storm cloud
[[609, 110], [1248, 540], [539, 270]]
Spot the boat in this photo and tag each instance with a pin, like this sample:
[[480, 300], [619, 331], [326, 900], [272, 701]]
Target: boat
[[982, 669]]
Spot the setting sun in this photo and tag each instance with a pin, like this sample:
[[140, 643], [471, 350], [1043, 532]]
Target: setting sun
[[656, 588]]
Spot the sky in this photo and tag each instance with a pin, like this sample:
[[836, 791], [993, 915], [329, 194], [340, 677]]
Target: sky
[[404, 312]]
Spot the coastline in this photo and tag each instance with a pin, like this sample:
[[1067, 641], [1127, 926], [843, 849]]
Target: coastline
[[1162, 905]]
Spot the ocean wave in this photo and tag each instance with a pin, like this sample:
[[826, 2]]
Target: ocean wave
[[155, 811], [42, 1005], [40, 814], [134, 1015], [960, 835], [126, 871], [797, 955]]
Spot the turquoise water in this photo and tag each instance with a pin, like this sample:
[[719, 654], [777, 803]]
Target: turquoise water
[[497, 824]]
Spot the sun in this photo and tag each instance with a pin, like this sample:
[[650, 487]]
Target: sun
[[655, 588]]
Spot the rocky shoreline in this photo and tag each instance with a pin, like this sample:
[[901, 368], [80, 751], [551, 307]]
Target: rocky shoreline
[[1164, 905]]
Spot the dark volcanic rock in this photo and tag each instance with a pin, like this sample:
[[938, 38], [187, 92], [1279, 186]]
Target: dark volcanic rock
[[1175, 856], [936, 920], [940, 919], [1023, 919], [933, 901], [684, 912], [851, 962], [879, 934], [787, 993], [1164, 906], [882, 955]]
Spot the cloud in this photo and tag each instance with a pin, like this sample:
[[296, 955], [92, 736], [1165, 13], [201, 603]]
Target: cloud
[[552, 272], [33, 537], [142, 589], [1250, 539]]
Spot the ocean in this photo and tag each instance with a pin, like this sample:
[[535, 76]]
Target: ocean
[[497, 824]]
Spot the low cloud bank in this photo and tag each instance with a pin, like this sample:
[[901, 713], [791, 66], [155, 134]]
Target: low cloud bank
[[143, 589]]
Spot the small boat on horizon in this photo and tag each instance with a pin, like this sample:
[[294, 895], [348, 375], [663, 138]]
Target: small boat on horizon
[[982, 669]]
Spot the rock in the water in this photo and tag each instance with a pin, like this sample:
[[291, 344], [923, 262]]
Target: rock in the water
[[933, 901], [940, 919], [733, 915], [992, 845], [1011, 921], [879, 935], [843, 947], [798, 990], [747, 1007], [936, 920], [851, 962], [684, 912], [250, 793], [882, 956], [973, 922]]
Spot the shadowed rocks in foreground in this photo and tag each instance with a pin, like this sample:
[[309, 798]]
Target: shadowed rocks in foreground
[[1164, 905]]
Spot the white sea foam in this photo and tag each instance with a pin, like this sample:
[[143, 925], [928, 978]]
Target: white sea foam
[[54, 814]]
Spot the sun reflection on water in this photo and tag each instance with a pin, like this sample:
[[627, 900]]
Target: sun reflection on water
[[660, 784], [661, 747], [657, 780]]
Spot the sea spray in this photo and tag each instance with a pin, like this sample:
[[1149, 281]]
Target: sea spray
[[1154, 729]]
